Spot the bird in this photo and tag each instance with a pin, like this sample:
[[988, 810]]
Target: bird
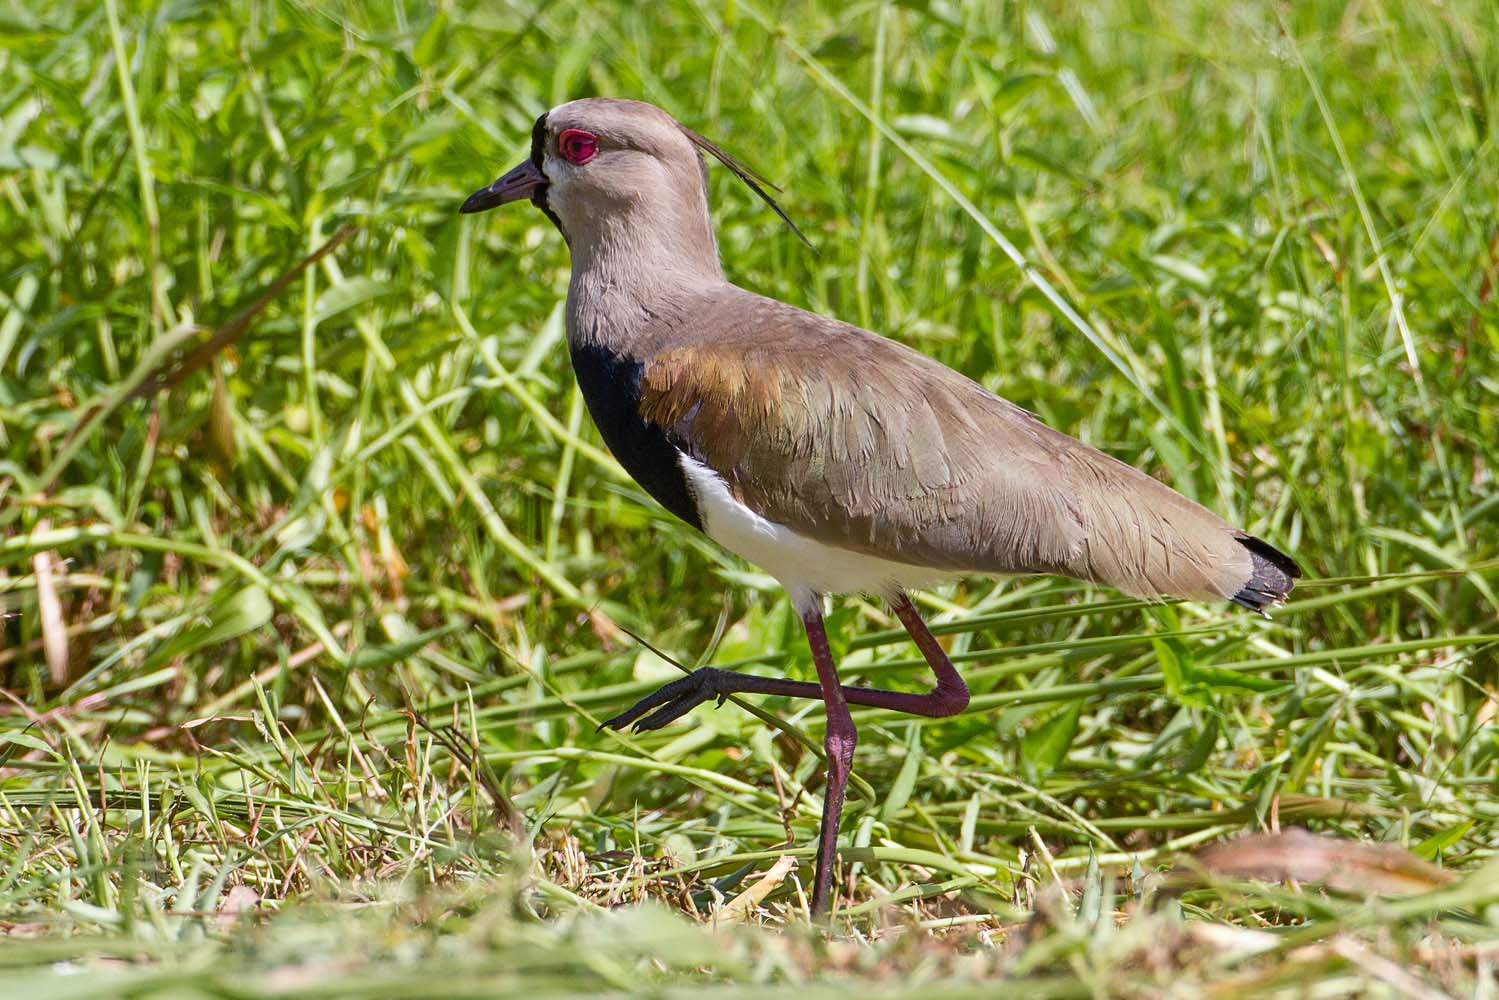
[[836, 459]]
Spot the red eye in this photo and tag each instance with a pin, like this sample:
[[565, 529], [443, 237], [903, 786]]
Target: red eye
[[577, 146]]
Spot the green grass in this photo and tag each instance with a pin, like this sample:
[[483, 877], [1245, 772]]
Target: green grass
[[306, 635]]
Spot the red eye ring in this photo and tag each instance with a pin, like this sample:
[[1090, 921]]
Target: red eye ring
[[576, 146]]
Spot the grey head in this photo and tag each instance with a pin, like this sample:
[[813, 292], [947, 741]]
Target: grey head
[[624, 182]]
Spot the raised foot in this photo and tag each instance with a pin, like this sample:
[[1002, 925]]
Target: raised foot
[[673, 700]]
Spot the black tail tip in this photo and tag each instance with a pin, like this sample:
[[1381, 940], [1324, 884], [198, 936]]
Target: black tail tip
[[1271, 578]]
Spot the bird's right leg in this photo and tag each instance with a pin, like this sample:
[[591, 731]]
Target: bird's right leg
[[838, 741], [676, 698]]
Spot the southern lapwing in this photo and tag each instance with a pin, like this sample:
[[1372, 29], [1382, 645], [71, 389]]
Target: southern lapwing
[[833, 458]]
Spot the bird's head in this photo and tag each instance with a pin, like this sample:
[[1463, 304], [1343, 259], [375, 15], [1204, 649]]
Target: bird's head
[[604, 169]]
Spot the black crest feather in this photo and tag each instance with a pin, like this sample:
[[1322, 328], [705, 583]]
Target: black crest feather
[[752, 178]]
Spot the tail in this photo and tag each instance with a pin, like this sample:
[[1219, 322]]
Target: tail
[[1273, 575]]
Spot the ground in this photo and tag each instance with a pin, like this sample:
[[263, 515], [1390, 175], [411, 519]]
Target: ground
[[316, 580]]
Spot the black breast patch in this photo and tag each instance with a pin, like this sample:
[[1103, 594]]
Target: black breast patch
[[611, 388]]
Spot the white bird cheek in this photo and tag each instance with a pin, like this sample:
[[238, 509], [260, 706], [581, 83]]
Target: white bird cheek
[[562, 194]]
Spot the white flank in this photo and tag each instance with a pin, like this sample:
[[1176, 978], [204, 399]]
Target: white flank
[[805, 567]]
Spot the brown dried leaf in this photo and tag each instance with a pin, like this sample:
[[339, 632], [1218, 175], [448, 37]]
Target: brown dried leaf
[[237, 902], [1343, 865]]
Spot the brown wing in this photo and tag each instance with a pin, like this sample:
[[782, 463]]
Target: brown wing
[[857, 441]]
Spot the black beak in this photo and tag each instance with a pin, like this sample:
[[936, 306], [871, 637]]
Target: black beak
[[522, 182]]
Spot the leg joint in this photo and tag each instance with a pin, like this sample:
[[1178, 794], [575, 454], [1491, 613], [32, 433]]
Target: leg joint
[[839, 744], [950, 698]]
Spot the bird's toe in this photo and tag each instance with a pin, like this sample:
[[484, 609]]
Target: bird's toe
[[672, 711], [666, 704]]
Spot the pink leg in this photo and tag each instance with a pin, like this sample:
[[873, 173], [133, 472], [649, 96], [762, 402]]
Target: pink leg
[[839, 740], [950, 696], [675, 699]]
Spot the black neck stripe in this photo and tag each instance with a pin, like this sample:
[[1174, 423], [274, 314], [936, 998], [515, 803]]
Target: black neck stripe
[[611, 387]]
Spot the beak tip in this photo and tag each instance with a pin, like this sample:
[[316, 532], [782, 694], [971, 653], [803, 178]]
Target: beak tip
[[522, 182]]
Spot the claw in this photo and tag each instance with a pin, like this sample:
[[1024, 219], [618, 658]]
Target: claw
[[668, 703], [669, 713]]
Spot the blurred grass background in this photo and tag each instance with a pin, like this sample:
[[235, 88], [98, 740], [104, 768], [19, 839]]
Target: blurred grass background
[[303, 633]]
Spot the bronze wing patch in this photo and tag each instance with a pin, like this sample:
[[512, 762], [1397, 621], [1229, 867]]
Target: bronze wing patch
[[865, 462]]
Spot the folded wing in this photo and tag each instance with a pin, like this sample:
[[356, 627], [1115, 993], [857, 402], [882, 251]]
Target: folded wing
[[858, 442]]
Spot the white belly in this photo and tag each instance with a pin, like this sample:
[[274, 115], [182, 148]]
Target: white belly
[[805, 567]]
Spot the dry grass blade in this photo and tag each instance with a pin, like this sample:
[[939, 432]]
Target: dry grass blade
[[742, 906], [49, 610]]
